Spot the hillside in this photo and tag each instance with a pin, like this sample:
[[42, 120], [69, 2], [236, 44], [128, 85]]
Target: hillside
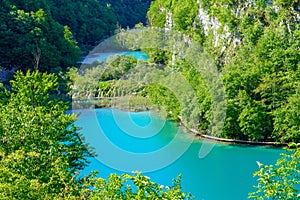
[[255, 45]]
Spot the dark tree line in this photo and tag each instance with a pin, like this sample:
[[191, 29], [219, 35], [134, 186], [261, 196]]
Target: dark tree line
[[130, 12], [33, 40], [49, 35]]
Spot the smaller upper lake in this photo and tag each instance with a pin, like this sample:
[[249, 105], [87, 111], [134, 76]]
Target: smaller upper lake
[[101, 57]]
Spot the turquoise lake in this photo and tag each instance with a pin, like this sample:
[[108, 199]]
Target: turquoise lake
[[141, 141], [101, 57]]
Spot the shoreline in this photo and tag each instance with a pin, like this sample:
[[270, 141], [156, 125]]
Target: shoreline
[[127, 108], [229, 141]]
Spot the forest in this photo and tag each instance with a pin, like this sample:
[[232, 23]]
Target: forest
[[51, 35], [254, 45]]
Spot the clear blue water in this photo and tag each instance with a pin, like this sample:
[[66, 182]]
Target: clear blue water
[[142, 141], [101, 57]]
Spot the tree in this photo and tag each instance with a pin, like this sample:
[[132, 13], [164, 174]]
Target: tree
[[255, 45], [287, 124], [279, 181], [42, 152], [136, 186], [130, 12], [32, 39]]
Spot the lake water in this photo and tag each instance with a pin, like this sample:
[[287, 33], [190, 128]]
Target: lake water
[[101, 57], [126, 141]]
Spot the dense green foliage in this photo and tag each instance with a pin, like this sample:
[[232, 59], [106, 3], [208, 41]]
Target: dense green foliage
[[89, 21], [182, 13], [98, 80], [94, 20], [47, 34], [255, 45], [41, 150], [42, 153], [279, 181], [135, 186], [130, 12], [33, 40]]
